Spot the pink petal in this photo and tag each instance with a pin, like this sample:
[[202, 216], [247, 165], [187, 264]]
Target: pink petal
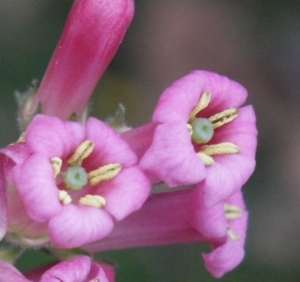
[[36, 185], [211, 222], [29, 232], [230, 172], [79, 225], [52, 137], [140, 138], [224, 258], [109, 146], [171, 157], [9, 156], [10, 273], [162, 220], [91, 37], [75, 270], [125, 193], [177, 101], [104, 273]]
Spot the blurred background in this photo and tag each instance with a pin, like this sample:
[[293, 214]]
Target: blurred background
[[256, 43]]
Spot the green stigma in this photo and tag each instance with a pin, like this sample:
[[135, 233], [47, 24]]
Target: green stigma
[[75, 178], [203, 130]]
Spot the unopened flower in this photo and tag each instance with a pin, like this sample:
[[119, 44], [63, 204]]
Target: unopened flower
[[80, 269], [76, 181], [92, 34], [202, 134]]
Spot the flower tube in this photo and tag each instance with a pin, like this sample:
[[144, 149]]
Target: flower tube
[[92, 34], [181, 217]]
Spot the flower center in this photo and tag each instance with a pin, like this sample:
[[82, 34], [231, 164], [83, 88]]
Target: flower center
[[76, 178], [202, 130]]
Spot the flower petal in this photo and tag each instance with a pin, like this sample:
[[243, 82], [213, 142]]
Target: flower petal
[[177, 101], [125, 193], [79, 225], [36, 185], [230, 172], [53, 137], [74, 270], [171, 157], [10, 273], [109, 146], [224, 258]]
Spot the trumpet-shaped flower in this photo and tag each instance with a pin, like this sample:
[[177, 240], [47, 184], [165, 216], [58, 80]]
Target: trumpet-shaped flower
[[77, 180], [80, 269], [202, 133]]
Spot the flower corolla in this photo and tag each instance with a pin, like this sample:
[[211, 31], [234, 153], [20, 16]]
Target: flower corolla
[[76, 181]]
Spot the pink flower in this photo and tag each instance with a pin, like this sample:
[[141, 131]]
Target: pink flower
[[226, 225], [80, 269], [91, 37], [203, 135], [76, 181], [181, 217]]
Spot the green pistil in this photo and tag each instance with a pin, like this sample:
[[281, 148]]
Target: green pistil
[[203, 130], [75, 178]]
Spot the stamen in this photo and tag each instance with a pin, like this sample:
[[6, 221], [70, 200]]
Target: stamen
[[202, 104], [82, 152], [232, 235], [232, 212], [95, 280], [202, 130], [64, 197], [21, 138], [106, 172], [189, 128], [207, 160], [56, 165], [220, 149], [224, 117], [92, 201]]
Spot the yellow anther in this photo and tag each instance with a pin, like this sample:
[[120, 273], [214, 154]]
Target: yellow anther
[[224, 117], [232, 235], [207, 160], [21, 138], [220, 149], [104, 173], [189, 128], [82, 152], [56, 165], [202, 104], [64, 197], [232, 212], [92, 201]]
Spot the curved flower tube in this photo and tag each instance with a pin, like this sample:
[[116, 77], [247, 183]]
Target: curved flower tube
[[180, 217], [76, 181], [80, 269], [202, 134], [92, 34]]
